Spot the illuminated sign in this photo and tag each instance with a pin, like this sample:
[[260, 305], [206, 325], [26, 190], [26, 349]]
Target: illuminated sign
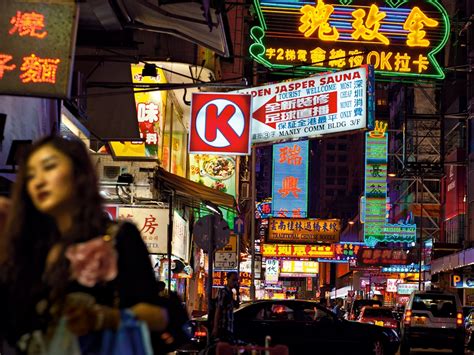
[[263, 209], [304, 231], [220, 123], [406, 289], [392, 285], [298, 251], [151, 107], [462, 281], [374, 201], [37, 41], [290, 179], [219, 279], [344, 252], [214, 171], [405, 268], [272, 271], [398, 37], [314, 106], [298, 266], [383, 256]]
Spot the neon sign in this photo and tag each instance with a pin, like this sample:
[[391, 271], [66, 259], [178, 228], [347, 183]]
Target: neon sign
[[374, 206], [290, 179], [399, 38], [37, 40]]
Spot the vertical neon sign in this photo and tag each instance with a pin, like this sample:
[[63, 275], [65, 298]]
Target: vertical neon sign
[[290, 179]]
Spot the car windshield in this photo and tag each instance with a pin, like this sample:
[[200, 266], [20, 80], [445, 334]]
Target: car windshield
[[358, 304], [378, 312], [443, 306]]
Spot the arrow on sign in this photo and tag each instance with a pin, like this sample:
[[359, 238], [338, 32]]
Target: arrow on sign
[[260, 113], [238, 225]]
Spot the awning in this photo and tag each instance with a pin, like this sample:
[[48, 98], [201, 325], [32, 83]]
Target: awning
[[194, 192]]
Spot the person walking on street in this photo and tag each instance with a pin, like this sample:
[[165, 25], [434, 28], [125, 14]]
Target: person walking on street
[[223, 328]]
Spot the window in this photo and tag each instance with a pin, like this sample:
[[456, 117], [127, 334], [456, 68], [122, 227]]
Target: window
[[439, 305], [342, 171], [331, 158], [331, 171], [331, 146], [342, 147], [342, 158], [341, 181], [329, 192]]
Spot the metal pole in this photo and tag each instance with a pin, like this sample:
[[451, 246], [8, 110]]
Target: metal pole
[[420, 252], [210, 262], [252, 226], [170, 236]]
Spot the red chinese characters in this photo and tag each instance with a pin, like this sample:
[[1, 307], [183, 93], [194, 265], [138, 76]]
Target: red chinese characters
[[28, 24], [4, 59], [39, 70]]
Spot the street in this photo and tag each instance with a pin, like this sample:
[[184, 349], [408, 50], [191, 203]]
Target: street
[[434, 351]]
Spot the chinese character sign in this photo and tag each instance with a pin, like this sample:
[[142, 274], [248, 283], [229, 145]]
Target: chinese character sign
[[152, 224], [290, 179], [298, 251], [150, 118], [314, 106], [272, 271], [37, 41], [399, 38], [304, 231]]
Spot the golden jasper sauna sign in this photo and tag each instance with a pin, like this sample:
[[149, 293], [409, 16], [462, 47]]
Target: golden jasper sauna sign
[[398, 37]]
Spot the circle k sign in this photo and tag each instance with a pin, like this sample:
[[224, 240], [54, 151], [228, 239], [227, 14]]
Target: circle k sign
[[220, 124]]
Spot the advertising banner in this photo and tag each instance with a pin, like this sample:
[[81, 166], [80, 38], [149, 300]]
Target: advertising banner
[[298, 251], [220, 124], [384, 256], [400, 38], [304, 231], [214, 171], [152, 224], [315, 106], [290, 179], [37, 42], [151, 107]]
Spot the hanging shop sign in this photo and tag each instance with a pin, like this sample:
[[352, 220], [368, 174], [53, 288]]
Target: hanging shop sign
[[37, 41], [151, 107], [226, 258], [374, 202], [263, 209], [220, 124], [314, 106], [384, 256], [180, 241], [272, 271], [344, 252], [215, 171], [298, 251], [152, 224], [406, 288], [399, 38], [290, 179], [246, 266], [304, 231], [299, 267], [392, 285], [219, 279]]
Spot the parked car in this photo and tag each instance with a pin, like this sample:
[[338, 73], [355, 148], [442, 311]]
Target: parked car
[[357, 305], [382, 316], [307, 327], [433, 319]]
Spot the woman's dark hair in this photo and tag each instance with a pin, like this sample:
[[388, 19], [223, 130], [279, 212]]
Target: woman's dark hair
[[30, 234]]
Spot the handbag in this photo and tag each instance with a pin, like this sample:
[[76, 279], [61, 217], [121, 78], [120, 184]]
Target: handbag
[[131, 338]]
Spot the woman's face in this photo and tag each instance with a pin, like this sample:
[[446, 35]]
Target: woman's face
[[50, 182]]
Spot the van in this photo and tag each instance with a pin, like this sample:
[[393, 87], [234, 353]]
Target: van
[[432, 319]]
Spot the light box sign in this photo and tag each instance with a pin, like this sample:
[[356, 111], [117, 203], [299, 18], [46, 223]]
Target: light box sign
[[37, 41], [298, 251], [384, 257], [314, 106], [398, 37], [406, 288], [151, 107], [299, 267], [290, 179], [374, 202], [304, 231]]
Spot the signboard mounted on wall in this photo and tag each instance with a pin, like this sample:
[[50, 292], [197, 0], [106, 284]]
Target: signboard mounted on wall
[[315, 106], [37, 41], [399, 38]]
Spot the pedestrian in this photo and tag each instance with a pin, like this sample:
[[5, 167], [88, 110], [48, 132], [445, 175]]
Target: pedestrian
[[338, 310], [60, 258], [223, 327]]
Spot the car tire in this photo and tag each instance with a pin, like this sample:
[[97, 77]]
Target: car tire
[[404, 349], [378, 347]]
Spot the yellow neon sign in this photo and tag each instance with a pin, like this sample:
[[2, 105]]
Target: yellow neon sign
[[370, 30], [316, 18], [414, 23]]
